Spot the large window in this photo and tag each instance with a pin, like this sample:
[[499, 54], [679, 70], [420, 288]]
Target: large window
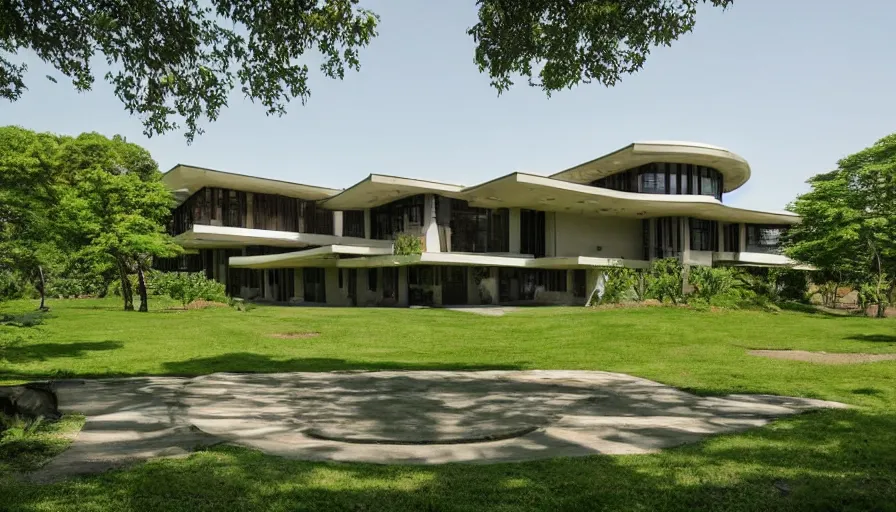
[[353, 223], [479, 229], [314, 283], [765, 238], [704, 235], [548, 280], [217, 206], [394, 218], [667, 237], [532, 233], [732, 238], [280, 213], [666, 178]]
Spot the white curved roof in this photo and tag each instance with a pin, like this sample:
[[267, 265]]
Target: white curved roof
[[735, 170]]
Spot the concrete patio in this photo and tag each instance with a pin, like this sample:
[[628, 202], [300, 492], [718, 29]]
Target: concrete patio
[[402, 417]]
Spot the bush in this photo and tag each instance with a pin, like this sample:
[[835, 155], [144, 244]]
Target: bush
[[406, 244], [666, 281], [710, 282], [189, 286], [618, 284]]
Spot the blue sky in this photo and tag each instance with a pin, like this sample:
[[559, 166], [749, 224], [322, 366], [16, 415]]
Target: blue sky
[[791, 85]]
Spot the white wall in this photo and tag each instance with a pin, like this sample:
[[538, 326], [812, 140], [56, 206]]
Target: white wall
[[578, 235]]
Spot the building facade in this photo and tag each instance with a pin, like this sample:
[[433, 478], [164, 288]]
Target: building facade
[[519, 238]]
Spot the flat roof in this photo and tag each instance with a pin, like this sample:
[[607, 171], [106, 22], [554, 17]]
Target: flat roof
[[186, 180], [565, 191], [379, 189]]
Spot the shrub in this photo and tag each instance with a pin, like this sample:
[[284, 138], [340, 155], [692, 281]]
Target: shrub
[[407, 244], [641, 285], [666, 281], [189, 286], [710, 282], [618, 283]]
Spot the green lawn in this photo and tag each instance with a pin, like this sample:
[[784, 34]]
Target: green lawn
[[831, 460]]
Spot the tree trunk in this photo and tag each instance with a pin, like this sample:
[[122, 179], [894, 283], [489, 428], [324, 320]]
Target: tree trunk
[[141, 289], [881, 308], [43, 288], [126, 291]]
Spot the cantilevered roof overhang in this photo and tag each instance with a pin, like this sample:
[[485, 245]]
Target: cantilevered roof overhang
[[520, 190], [185, 180], [735, 170], [317, 257], [202, 236], [378, 189]]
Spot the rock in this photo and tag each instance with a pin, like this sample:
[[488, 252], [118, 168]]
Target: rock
[[29, 401]]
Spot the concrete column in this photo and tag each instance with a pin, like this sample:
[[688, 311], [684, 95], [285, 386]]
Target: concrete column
[[367, 230], [403, 286], [514, 226], [337, 223], [651, 242], [685, 238], [743, 238], [250, 214], [268, 288], [299, 285], [721, 246], [550, 234], [430, 226]]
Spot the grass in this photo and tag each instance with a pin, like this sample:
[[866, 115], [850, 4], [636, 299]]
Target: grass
[[26, 446], [831, 460]]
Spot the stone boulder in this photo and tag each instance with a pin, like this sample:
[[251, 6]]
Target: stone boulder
[[29, 401]]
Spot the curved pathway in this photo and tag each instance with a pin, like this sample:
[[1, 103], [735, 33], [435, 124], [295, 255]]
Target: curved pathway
[[413, 417]]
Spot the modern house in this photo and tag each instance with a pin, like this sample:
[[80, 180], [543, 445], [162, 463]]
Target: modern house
[[516, 238]]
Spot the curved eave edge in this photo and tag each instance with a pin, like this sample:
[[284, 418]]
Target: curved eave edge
[[733, 167]]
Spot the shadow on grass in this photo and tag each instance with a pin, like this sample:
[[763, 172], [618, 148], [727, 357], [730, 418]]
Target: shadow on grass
[[810, 309], [246, 362], [875, 338], [836, 460], [26, 352]]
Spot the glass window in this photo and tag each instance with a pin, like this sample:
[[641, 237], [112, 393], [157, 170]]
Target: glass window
[[371, 279], [764, 238], [704, 235], [353, 223]]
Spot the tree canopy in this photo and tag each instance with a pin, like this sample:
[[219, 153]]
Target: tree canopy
[[849, 222], [80, 204], [174, 62]]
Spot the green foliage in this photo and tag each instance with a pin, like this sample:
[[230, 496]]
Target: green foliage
[[115, 285], [618, 284], [666, 280], [558, 45], [26, 445], [75, 211], [182, 60], [29, 319], [849, 222], [179, 62], [406, 244], [711, 282], [187, 287]]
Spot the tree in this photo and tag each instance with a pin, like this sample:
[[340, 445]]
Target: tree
[[114, 207], [176, 60], [849, 222], [28, 170]]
